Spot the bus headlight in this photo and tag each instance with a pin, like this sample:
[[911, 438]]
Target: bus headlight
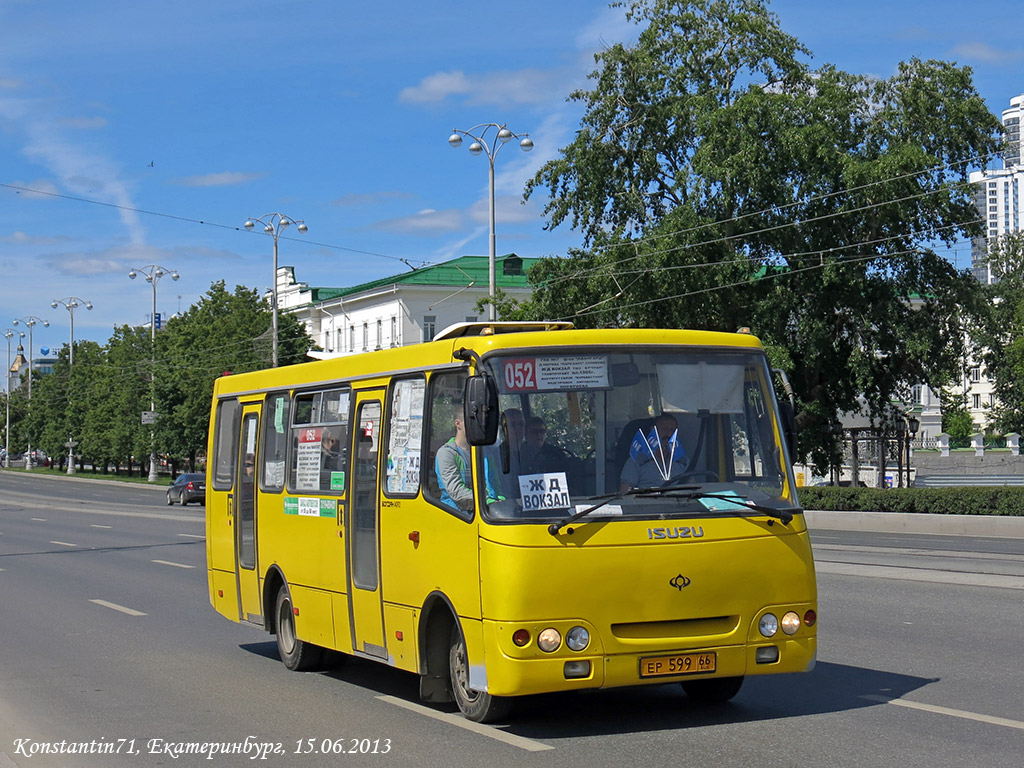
[[768, 625], [549, 640], [577, 638], [790, 623]]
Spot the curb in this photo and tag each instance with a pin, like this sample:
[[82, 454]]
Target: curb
[[896, 522]]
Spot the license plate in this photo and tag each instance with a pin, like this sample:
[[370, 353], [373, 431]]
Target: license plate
[[677, 664]]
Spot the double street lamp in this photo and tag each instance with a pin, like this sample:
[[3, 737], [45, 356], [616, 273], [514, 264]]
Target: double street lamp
[[30, 322], [480, 145], [9, 333], [274, 224], [71, 303], [153, 273]]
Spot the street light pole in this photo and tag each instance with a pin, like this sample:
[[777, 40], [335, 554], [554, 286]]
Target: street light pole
[[153, 273], [479, 145], [30, 322], [71, 303], [8, 334], [274, 224]]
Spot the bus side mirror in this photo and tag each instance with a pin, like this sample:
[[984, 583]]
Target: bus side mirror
[[481, 410], [788, 415]]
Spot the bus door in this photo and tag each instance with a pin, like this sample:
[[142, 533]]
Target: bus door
[[250, 606], [366, 610]]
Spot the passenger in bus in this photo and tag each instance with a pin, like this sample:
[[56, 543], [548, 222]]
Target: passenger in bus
[[331, 453], [656, 458], [452, 467], [538, 455]]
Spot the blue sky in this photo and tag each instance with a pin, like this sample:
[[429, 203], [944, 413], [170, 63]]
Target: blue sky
[[157, 128]]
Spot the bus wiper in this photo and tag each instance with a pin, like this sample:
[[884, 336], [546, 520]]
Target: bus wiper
[[554, 528]]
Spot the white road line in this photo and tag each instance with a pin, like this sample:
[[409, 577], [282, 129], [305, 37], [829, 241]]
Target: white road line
[[93, 525], [484, 730], [116, 607], [168, 562], [950, 712], [191, 536], [39, 519], [921, 574], [63, 543]]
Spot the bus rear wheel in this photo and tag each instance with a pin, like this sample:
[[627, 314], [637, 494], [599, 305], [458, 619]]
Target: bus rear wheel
[[717, 690], [297, 655], [477, 706]]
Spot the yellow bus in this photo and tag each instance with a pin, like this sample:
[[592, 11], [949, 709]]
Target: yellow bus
[[513, 509]]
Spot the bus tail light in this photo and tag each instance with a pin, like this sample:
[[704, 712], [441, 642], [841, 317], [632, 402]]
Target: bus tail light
[[810, 618], [521, 637]]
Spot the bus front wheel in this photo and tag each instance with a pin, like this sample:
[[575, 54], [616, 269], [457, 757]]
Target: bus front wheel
[[716, 690], [477, 706], [296, 654]]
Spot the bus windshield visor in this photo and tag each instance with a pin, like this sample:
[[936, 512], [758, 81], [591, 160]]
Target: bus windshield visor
[[666, 433]]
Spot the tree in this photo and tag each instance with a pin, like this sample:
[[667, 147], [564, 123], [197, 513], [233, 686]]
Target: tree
[[719, 182], [223, 333], [1001, 334]]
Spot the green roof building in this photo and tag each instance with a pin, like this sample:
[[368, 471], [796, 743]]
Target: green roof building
[[402, 309]]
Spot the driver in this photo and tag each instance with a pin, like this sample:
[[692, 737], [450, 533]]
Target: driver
[[651, 464]]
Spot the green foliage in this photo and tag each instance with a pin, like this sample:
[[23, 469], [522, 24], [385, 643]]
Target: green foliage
[[987, 500], [99, 400], [956, 419], [1002, 332], [718, 182]]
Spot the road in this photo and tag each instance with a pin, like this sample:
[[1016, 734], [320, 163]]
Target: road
[[107, 637]]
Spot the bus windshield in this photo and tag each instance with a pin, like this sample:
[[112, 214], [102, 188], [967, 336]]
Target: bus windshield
[[666, 433]]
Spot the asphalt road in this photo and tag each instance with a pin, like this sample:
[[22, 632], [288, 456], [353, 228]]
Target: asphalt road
[[107, 637]]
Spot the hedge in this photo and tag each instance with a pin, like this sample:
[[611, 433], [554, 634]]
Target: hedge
[[974, 500]]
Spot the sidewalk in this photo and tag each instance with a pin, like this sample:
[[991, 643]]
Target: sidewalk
[[892, 522]]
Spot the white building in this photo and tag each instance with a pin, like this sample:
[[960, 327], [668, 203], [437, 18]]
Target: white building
[[999, 192], [402, 309]]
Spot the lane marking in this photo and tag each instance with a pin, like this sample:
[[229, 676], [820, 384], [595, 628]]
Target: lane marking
[[990, 719], [39, 519], [168, 562], [921, 574], [63, 543], [116, 607], [484, 730], [191, 536], [93, 525], [939, 553]]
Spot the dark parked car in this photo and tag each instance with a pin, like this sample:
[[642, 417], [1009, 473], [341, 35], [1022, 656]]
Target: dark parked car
[[188, 486]]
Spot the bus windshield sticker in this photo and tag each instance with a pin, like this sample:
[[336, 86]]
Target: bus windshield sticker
[[307, 464], [337, 481], [308, 507], [607, 509], [561, 373], [549, 490]]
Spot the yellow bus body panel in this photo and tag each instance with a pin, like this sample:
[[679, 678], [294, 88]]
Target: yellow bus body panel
[[614, 577]]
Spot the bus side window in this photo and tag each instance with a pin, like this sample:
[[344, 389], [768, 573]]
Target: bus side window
[[405, 437], [225, 445], [445, 390], [275, 441]]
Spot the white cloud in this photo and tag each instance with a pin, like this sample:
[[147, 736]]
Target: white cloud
[[427, 220], [979, 51], [222, 179], [514, 87]]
